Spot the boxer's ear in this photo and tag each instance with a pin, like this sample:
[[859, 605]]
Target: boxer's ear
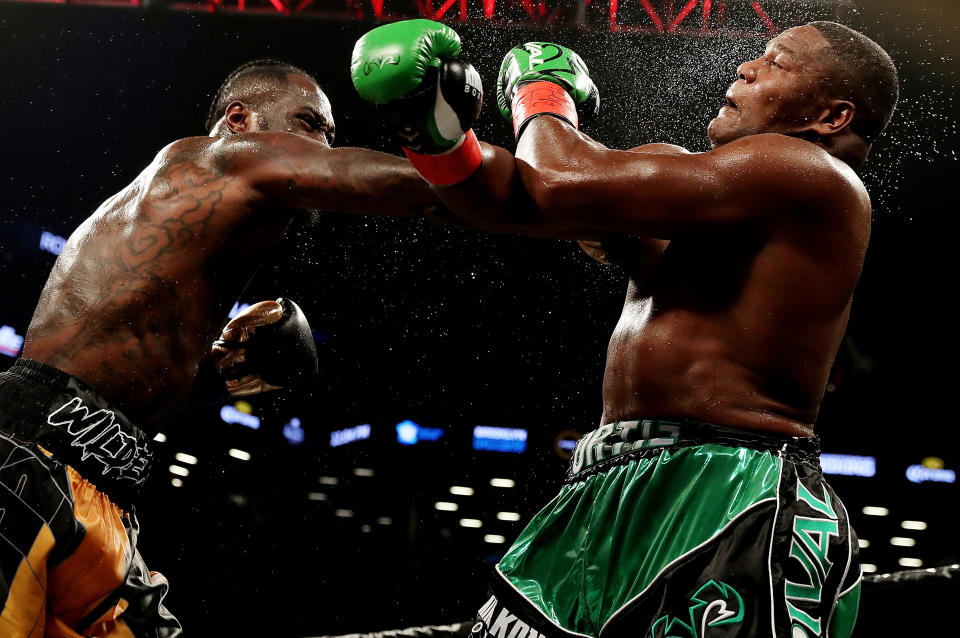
[[835, 117], [238, 117]]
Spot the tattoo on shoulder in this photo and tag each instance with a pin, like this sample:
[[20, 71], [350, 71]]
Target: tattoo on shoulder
[[120, 283]]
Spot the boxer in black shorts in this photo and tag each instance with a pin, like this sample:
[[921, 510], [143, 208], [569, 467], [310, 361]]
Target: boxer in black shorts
[[69, 559], [123, 324], [71, 468]]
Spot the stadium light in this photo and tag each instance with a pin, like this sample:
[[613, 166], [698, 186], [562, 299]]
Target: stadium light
[[10, 341], [902, 541], [349, 435], [183, 457], [239, 454], [445, 506], [497, 439]]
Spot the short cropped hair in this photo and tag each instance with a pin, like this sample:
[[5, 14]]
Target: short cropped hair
[[862, 72], [247, 84]]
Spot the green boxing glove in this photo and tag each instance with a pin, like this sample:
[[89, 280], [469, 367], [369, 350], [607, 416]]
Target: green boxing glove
[[425, 95], [542, 78]]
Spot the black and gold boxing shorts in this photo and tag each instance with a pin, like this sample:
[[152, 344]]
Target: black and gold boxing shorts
[[70, 469]]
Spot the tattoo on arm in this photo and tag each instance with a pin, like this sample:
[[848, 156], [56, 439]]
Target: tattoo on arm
[[300, 173]]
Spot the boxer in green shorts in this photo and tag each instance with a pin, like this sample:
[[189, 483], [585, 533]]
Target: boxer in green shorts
[[742, 262], [687, 528]]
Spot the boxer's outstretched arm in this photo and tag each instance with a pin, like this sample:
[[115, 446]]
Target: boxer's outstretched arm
[[296, 172], [495, 199], [573, 180]]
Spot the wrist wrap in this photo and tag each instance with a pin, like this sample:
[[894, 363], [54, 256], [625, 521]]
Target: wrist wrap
[[451, 167], [542, 98]]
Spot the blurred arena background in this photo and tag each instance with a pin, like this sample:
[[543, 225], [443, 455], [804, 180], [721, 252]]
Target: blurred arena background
[[458, 368]]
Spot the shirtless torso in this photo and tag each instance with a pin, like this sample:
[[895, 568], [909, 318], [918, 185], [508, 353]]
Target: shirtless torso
[[742, 259], [143, 286]]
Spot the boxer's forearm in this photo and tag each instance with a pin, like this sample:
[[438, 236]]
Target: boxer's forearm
[[490, 199], [495, 199], [577, 181], [355, 180], [551, 154]]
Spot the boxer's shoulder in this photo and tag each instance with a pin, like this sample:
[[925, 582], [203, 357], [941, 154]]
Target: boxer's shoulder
[[182, 168], [789, 169], [258, 144], [232, 157], [263, 156], [228, 154], [660, 149], [183, 150], [783, 151], [773, 147]]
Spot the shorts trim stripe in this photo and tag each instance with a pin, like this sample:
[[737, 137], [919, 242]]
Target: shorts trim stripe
[[851, 587], [23, 556], [735, 519], [540, 611], [19, 445], [773, 531], [846, 570], [16, 444]]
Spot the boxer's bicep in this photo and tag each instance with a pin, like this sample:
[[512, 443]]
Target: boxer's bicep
[[671, 194], [292, 171], [625, 192], [660, 149]]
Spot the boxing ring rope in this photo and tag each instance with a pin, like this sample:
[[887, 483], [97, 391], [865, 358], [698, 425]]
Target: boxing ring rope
[[916, 601]]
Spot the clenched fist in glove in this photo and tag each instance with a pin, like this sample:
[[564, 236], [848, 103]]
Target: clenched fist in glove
[[266, 347], [542, 78], [428, 97]]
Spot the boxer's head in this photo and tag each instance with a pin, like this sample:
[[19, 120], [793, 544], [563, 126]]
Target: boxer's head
[[823, 81], [268, 95]]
